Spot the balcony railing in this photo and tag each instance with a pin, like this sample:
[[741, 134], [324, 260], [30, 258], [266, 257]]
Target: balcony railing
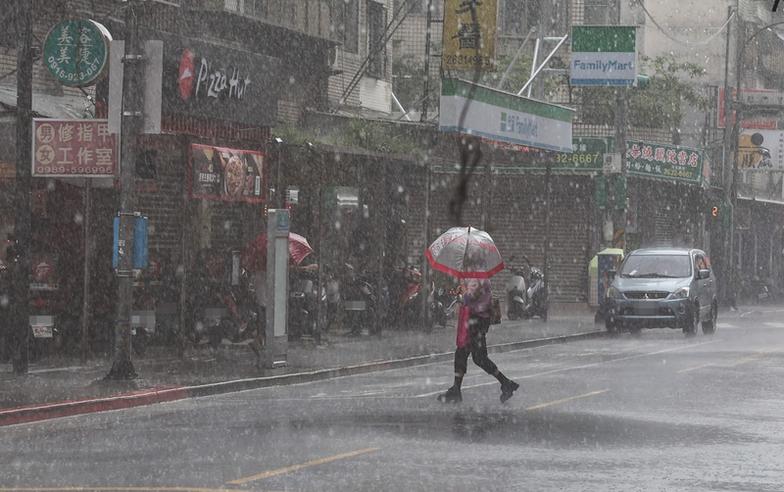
[[312, 17], [761, 184]]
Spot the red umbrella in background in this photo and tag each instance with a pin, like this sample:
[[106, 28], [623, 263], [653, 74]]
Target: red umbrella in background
[[254, 256]]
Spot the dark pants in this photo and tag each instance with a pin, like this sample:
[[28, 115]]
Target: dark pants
[[477, 348]]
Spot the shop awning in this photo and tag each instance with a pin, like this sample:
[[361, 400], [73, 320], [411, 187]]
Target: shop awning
[[49, 105]]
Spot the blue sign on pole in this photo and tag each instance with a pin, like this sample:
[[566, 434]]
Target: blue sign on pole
[[140, 243]]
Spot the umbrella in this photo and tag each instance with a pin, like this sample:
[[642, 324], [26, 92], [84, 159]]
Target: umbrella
[[255, 254], [465, 252]]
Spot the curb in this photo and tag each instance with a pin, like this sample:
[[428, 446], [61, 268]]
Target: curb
[[35, 413]]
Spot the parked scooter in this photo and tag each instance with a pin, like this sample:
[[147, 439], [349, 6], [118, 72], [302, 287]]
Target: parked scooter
[[443, 304], [404, 293], [525, 293], [303, 302], [47, 333], [360, 302]]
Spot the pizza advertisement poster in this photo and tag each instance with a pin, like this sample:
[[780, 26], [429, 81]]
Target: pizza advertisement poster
[[225, 174]]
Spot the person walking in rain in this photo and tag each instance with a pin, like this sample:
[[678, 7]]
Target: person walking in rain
[[473, 324]]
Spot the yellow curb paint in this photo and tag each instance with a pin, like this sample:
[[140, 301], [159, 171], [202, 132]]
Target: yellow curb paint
[[565, 400], [307, 464]]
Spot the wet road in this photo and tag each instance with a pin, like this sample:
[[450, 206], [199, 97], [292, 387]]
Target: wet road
[[652, 412]]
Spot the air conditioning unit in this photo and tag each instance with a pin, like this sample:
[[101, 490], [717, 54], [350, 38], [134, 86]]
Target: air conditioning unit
[[612, 163]]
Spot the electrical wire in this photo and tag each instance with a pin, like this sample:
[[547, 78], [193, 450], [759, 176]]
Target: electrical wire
[[683, 41]]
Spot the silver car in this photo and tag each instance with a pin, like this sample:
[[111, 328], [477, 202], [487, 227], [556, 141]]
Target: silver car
[[663, 287]]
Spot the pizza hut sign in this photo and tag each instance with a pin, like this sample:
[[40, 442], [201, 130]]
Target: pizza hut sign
[[211, 81]]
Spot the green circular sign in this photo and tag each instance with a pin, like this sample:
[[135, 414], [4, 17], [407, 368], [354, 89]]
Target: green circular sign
[[76, 52]]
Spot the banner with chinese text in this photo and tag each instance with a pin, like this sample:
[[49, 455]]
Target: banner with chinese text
[[469, 37], [231, 175], [74, 149], [664, 161]]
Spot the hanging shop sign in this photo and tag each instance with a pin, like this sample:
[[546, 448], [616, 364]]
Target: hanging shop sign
[[748, 97], [74, 149], [664, 161], [76, 52], [603, 55], [223, 174], [469, 35], [209, 81], [761, 149], [501, 117]]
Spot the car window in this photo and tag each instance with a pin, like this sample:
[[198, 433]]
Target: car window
[[657, 266], [699, 263]]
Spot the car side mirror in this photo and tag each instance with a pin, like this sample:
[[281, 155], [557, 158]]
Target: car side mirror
[[703, 274]]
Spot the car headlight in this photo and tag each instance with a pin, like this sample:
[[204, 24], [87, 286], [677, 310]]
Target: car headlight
[[681, 293], [613, 293]]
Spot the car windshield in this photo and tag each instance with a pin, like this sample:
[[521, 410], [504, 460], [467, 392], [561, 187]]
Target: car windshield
[[657, 266]]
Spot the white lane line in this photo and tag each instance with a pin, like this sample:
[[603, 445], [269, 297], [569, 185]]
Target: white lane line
[[689, 369], [573, 368], [774, 324]]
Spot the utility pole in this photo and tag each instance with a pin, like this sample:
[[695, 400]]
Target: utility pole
[[740, 40], [22, 206], [619, 184], [427, 275], [426, 95], [726, 166], [122, 368]]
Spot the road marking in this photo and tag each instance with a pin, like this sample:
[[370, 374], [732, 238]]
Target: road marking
[[582, 366], [114, 489], [774, 324], [565, 400], [307, 464], [689, 369], [744, 360]]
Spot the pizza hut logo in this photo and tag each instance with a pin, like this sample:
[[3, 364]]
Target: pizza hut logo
[[186, 75], [204, 77]]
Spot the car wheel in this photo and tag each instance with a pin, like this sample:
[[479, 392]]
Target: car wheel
[[693, 322], [709, 327]]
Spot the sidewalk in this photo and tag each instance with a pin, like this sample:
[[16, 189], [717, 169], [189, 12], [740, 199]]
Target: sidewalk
[[67, 380]]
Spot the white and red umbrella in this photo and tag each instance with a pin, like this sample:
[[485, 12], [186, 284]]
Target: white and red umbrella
[[465, 252], [255, 253]]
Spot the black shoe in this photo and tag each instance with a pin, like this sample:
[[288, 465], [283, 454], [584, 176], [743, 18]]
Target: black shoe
[[452, 395], [507, 389]]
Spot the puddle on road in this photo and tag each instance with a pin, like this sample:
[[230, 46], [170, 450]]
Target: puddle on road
[[550, 429]]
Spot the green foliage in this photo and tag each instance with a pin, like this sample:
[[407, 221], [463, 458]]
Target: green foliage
[[408, 83], [673, 87]]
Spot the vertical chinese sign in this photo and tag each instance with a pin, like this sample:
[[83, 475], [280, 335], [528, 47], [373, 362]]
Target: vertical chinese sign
[[664, 161], [74, 149], [469, 34]]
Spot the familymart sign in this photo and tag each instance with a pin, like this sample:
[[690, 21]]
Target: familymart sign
[[603, 55], [502, 117]]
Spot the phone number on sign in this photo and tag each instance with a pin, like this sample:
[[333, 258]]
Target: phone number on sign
[[468, 60], [679, 173], [577, 158], [41, 170]]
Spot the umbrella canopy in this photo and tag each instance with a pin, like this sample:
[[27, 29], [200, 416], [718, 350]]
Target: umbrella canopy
[[254, 256], [465, 252]]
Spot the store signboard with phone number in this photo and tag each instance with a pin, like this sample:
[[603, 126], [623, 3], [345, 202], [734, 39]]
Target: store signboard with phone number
[[224, 174], [588, 155]]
